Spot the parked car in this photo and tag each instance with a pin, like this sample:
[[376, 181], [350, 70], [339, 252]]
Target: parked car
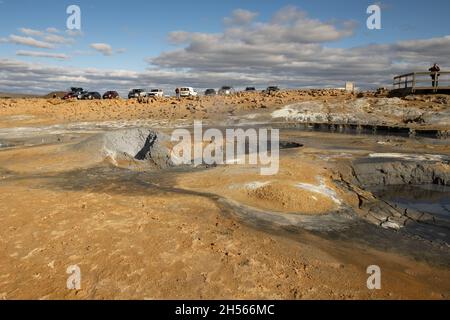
[[91, 96], [210, 92], [250, 89], [81, 94], [226, 90], [136, 93], [70, 95], [272, 89], [111, 95], [188, 92], [158, 93], [73, 93]]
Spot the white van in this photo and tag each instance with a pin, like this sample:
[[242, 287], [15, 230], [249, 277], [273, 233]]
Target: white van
[[158, 93], [188, 92]]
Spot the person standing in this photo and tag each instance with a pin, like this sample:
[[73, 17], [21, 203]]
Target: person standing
[[435, 75], [177, 93]]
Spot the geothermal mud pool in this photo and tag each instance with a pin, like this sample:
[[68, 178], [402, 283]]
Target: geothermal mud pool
[[108, 198]]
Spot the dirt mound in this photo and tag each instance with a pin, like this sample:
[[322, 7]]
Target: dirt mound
[[130, 148], [289, 198], [55, 94], [135, 148]]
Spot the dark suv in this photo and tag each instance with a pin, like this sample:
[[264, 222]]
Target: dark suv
[[111, 95], [250, 89], [73, 94], [91, 96], [272, 89], [136, 93], [226, 90], [210, 92]]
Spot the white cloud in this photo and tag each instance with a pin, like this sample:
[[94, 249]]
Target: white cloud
[[52, 30], [74, 33], [38, 38], [240, 17], [19, 76], [29, 41], [103, 48], [31, 32], [290, 50], [54, 38], [37, 54]]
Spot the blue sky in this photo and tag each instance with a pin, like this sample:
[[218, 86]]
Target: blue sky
[[141, 28]]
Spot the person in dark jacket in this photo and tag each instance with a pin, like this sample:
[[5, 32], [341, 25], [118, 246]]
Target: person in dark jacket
[[435, 76]]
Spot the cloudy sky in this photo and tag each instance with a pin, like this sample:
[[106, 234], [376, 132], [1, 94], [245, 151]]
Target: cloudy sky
[[207, 44]]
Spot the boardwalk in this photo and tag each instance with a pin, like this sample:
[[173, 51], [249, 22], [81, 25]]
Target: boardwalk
[[422, 82]]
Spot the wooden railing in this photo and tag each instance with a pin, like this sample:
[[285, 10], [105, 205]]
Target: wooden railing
[[423, 81]]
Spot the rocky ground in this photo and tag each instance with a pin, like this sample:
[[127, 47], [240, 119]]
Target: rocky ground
[[323, 106]]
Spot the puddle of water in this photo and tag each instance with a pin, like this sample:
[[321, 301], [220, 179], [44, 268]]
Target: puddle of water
[[4, 144], [432, 199]]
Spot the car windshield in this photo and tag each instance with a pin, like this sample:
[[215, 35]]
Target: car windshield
[[184, 89], [155, 90], [226, 88]]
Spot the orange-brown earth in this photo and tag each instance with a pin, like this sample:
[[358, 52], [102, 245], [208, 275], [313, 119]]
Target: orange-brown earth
[[159, 235], [47, 111]]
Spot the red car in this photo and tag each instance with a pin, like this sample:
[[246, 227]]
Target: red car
[[70, 95], [111, 95]]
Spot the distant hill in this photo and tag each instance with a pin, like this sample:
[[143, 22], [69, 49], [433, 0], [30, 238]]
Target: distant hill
[[6, 95], [58, 94]]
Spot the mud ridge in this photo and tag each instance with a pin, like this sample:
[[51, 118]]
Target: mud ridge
[[393, 169]]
